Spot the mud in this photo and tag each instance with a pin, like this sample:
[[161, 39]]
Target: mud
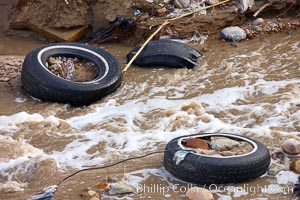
[[99, 13]]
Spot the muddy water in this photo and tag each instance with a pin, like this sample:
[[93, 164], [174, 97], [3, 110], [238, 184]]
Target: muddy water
[[251, 89]]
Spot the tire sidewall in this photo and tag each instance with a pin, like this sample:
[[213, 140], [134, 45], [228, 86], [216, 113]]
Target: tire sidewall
[[39, 81], [196, 163]]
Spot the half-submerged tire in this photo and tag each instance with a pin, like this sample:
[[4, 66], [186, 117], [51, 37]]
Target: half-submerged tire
[[204, 169], [166, 53], [39, 82]]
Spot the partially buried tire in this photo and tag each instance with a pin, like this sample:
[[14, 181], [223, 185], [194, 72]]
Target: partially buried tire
[[166, 53], [39, 82], [204, 169]]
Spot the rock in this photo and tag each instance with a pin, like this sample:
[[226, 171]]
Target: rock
[[50, 14], [197, 143], [92, 193], [12, 186], [95, 198], [211, 2], [182, 3], [121, 188], [258, 21], [275, 169], [233, 33], [197, 193], [204, 118], [4, 79], [228, 153], [291, 146], [224, 144], [206, 152], [295, 166], [162, 11]]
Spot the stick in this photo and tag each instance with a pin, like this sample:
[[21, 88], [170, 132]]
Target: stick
[[261, 9], [164, 24], [67, 2]]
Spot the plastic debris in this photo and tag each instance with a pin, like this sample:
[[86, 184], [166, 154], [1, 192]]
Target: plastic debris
[[70, 68], [180, 155], [48, 194], [233, 33], [137, 12], [244, 5]]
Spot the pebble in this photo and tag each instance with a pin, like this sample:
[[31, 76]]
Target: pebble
[[95, 198], [197, 193], [4, 79], [224, 144], [182, 3], [295, 166], [121, 188], [212, 2], [291, 146], [275, 169], [228, 153], [197, 143], [92, 193], [233, 33], [258, 21]]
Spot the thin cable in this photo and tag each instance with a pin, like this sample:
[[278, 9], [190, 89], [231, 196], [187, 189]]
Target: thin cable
[[113, 164]]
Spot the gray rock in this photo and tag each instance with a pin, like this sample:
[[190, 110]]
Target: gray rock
[[121, 188], [212, 2], [291, 146], [224, 144], [258, 21], [275, 169], [197, 193], [233, 33], [182, 3]]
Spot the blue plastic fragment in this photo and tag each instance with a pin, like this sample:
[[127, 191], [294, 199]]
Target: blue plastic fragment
[[180, 155], [48, 194]]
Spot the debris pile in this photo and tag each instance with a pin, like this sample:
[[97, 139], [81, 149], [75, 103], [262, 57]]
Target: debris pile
[[72, 69], [218, 146], [113, 186]]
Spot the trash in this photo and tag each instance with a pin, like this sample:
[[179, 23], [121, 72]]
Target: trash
[[121, 188], [197, 38], [182, 3], [244, 5], [48, 194], [165, 53], [137, 12], [119, 29], [70, 68], [233, 33], [180, 155]]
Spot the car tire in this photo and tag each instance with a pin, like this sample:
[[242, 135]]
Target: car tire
[[165, 53], [205, 169], [39, 82]]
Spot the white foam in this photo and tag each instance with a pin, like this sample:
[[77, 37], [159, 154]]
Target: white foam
[[9, 123], [285, 177]]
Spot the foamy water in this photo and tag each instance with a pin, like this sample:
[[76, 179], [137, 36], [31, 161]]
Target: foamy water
[[253, 90]]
